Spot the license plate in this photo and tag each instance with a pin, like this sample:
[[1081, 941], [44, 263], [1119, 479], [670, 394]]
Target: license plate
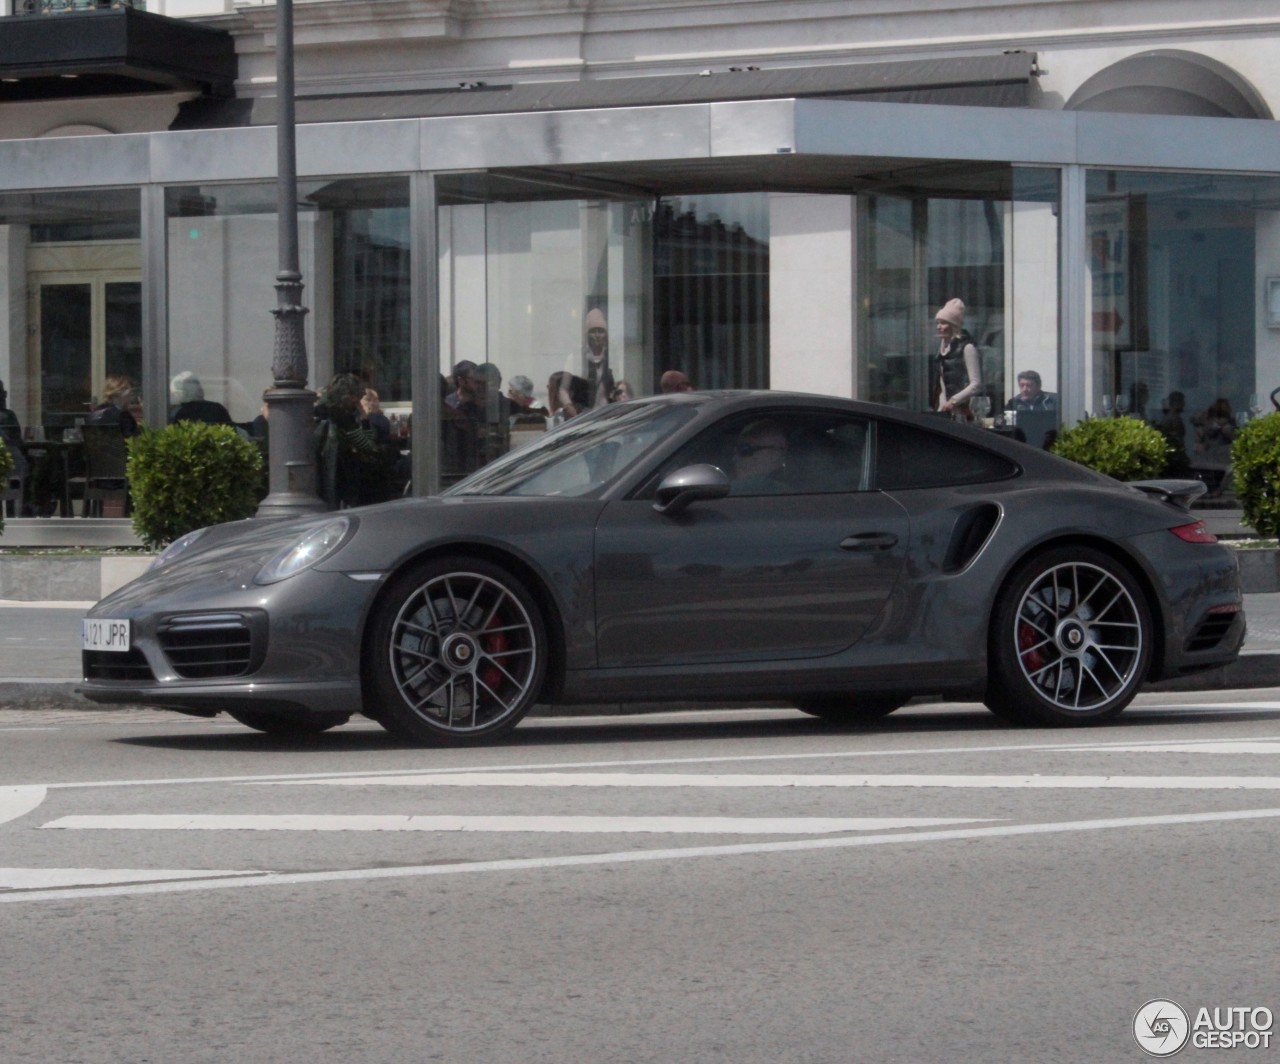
[[98, 634]]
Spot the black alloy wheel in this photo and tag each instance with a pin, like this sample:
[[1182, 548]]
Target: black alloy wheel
[[1071, 640], [456, 653]]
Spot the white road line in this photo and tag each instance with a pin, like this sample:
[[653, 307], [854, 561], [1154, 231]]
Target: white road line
[[689, 825], [1201, 746], [827, 755], [712, 780], [60, 604], [19, 801], [635, 856], [46, 878]]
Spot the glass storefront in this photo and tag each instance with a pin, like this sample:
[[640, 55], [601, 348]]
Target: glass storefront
[[711, 289], [71, 280], [990, 241], [1182, 332], [354, 256], [551, 305]]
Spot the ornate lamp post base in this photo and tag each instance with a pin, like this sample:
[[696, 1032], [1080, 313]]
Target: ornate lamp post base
[[292, 466], [291, 457]]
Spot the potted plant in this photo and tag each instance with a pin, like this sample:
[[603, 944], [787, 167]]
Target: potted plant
[[1255, 463], [1122, 447], [189, 475]]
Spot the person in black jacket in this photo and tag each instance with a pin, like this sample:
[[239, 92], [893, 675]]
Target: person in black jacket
[[186, 393], [957, 373], [117, 397]]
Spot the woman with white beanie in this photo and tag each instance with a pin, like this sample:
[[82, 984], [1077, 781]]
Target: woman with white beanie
[[957, 372]]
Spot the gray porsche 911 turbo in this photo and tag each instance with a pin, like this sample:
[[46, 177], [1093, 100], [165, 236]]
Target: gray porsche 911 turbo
[[730, 546]]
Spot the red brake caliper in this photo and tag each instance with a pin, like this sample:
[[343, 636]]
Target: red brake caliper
[[1032, 660], [495, 645]]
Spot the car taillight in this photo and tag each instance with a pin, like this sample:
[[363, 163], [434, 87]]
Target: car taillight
[[1194, 533]]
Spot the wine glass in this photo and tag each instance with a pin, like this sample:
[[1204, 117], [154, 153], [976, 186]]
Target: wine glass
[[1106, 406], [1255, 405], [1122, 404]]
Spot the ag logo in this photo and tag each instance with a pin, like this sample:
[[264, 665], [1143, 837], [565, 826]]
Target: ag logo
[[1161, 1028]]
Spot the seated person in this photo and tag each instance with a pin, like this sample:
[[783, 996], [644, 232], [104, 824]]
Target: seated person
[[114, 409], [186, 394], [759, 457], [10, 427], [1030, 397]]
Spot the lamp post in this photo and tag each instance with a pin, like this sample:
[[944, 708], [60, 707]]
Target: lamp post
[[291, 465]]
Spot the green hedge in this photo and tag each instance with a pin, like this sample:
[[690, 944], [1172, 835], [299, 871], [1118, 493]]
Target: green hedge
[[1255, 463], [189, 475], [1122, 447]]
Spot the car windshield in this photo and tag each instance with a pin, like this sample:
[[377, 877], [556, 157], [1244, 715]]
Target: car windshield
[[582, 455]]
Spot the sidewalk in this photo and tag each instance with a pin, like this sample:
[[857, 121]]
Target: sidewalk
[[40, 654]]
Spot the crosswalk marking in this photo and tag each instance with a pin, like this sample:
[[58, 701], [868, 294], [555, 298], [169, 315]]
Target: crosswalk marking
[[16, 802], [792, 780], [742, 849], [46, 878], [679, 825]]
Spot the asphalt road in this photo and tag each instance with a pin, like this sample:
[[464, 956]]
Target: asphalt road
[[691, 887]]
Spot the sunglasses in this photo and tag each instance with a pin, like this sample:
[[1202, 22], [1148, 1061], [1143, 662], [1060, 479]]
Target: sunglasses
[[746, 450]]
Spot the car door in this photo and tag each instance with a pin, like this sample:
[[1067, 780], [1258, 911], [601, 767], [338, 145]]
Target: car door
[[793, 570]]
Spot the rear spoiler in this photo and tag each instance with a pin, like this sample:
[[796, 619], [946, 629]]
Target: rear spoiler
[[1179, 492]]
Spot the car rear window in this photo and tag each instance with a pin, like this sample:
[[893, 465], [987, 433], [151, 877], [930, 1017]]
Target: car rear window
[[907, 457]]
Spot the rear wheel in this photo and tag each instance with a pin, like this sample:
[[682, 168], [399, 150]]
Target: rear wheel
[[456, 653], [1070, 640], [850, 709], [280, 724]]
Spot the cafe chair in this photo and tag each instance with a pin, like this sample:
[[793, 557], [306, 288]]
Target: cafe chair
[[105, 483]]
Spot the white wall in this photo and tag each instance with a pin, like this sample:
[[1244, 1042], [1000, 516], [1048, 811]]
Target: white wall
[[812, 311], [221, 276], [13, 321], [1031, 295]]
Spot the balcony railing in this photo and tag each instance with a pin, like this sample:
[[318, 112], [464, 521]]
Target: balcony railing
[[57, 7]]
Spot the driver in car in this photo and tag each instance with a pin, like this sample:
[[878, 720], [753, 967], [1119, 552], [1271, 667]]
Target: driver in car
[[759, 459]]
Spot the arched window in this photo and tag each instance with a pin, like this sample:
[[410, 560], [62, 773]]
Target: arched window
[[1170, 82]]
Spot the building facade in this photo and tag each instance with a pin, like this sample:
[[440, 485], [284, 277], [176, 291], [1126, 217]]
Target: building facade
[[756, 194]]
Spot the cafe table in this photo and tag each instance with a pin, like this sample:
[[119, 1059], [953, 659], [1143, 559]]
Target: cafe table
[[49, 464]]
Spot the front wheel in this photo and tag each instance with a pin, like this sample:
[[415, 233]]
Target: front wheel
[[456, 654], [1070, 640], [850, 709]]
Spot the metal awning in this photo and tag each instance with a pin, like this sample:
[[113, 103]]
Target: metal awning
[[109, 52], [1001, 80]]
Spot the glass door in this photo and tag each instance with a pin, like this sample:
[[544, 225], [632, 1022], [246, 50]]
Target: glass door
[[87, 325]]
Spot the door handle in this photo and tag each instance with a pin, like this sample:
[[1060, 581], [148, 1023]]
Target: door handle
[[869, 541]]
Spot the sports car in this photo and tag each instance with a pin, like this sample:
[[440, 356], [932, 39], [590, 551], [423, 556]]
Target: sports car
[[721, 547]]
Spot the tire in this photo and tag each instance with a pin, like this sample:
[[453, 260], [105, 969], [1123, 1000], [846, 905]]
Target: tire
[[1071, 640], [457, 653], [279, 724], [850, 709]]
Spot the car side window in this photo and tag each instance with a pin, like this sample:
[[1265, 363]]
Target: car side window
[[906, 457], [784, 452]]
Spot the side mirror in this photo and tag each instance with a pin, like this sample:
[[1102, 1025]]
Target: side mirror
[[695, 483]]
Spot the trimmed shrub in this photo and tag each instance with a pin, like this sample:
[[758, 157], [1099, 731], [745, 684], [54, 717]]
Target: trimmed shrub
[[6, 465], [1255, 461], [189, 475], [1126, 448]]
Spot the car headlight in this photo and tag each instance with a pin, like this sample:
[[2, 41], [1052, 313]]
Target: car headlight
[[178, 546], [303, 553]]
